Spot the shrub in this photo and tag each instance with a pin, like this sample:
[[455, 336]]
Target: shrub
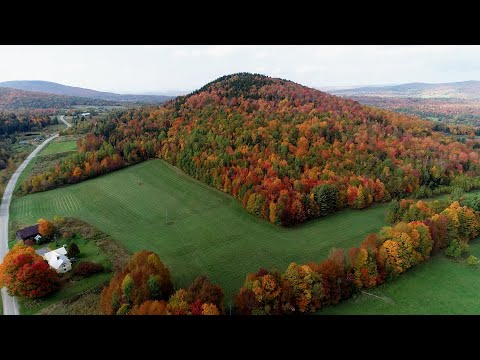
[[124, 309], [457, 249], [87, 268], [58, 220], [67, 234], [473, 202], [42, 240], [392, 212], [72, 250], [473, 261], [457, 194], [29, 242]]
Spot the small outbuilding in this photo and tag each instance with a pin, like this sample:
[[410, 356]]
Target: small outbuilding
[[29, 233]]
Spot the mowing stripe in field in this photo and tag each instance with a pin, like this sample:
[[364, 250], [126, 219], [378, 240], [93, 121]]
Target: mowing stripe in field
[[208, 232]]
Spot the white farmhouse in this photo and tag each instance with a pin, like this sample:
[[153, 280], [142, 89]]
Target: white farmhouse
[[58, 260]]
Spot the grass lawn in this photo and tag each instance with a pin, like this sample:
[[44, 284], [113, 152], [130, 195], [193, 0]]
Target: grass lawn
[[208, 232], [439, 286], [88, 252], [57, 146]]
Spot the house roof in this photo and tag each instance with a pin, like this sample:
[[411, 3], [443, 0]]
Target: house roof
[[28, 232], [61, 251], [58, 260]]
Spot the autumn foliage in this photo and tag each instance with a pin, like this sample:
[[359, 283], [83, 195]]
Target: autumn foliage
[[25, 273], [150, 307], [22, 121], [288, 153], [144, 287], [144, 278], [382, 256], [202, 297], [46, 228]]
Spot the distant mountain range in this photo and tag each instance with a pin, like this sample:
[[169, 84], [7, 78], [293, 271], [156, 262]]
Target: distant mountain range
[[172, 93], [455, 90], [59, 89], [457, 102], [11, 99]]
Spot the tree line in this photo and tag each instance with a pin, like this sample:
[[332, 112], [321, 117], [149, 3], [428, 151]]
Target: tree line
[[288, 153], [11, 123], [144, 287], [381, 257]]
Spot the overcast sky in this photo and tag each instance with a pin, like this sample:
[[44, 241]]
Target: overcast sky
[[143, 68]]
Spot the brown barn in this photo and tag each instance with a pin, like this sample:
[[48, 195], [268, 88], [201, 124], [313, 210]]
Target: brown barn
[[28, 233]]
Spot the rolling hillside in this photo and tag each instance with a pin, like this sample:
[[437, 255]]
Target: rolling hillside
[[11, 99], [59, 89], [456, 90], [287, 152]]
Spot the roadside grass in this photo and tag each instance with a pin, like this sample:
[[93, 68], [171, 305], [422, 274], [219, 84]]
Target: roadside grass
[[40, 164], [52, 154]]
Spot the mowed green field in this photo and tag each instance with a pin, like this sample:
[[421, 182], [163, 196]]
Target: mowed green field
[[439, 286], [208, 232], [59, 146]]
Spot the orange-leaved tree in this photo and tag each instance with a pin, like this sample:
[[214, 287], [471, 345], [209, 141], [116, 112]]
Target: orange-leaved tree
[[46, 228], [24, 273], [144, 278]]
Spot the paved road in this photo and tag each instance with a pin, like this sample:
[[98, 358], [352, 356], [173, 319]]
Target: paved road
[[10, 304], [62, 118]]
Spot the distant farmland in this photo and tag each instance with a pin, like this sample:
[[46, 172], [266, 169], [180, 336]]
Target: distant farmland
[[59, 147], [195, 229]]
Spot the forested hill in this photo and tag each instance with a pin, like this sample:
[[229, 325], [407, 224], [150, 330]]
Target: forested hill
[[287, 152], [19, 99], [59, 89]]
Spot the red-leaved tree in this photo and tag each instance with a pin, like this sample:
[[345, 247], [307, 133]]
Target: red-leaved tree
[[24, 273]]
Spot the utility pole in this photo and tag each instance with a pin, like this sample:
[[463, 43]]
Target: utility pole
[[166, 217]]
